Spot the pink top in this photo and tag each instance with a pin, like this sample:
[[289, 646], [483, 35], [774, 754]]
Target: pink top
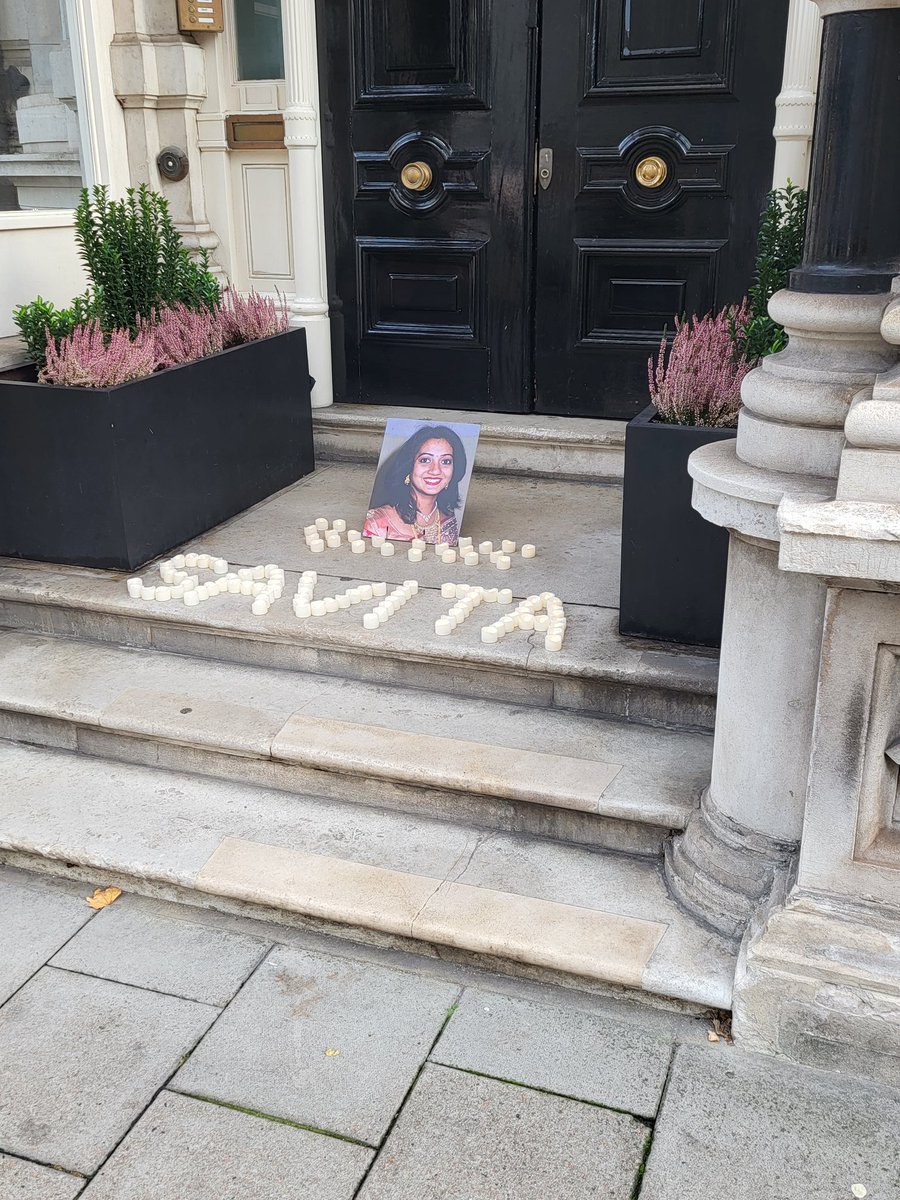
[[386, 522]]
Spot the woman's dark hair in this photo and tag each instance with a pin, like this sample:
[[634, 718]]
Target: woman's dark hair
[[390, 482]]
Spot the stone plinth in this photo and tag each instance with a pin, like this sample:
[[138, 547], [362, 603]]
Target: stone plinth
[[819, 979]]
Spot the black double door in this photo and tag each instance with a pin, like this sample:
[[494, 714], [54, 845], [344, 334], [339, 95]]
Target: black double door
[[521, 198]]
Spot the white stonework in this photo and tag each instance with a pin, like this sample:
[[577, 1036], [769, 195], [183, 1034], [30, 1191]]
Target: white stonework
[[797, 401], [302, 139], [819, 978], [790, 436], [160, 81], [795, 108]]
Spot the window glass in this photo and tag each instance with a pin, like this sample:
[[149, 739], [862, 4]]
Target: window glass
[[40, 141], [257, 25]]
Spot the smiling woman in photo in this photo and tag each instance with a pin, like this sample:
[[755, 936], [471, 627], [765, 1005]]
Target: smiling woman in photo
[[417, 492]]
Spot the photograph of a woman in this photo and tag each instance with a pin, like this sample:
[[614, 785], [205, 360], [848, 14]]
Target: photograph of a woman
[[422, 481]]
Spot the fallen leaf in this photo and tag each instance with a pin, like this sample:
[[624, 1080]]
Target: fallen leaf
[[332, 1053], [720, 1032], [103, 897]]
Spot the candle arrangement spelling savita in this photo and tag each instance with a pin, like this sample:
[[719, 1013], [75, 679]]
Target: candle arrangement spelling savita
[[264, 585]]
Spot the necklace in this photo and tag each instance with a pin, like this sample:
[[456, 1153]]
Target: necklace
[[431, 523]]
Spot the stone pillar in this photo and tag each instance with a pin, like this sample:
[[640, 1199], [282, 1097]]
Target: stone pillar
[[302, 139], [790, 440], [819, 974], [159, 80], [795, 108]]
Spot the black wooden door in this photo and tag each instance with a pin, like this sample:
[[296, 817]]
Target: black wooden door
[[659, 115], [428, 116]]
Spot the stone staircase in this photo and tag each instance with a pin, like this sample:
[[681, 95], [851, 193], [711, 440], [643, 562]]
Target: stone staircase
[[487, 803]]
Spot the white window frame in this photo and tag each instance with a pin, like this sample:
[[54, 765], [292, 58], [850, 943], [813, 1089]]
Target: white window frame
[[96, 165], [233, 50]]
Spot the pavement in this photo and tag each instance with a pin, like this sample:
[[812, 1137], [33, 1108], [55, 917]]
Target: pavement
[[155, 1051]]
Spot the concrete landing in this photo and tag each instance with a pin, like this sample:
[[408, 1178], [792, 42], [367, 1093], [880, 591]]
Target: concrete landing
[[574, 525], [519, 902]]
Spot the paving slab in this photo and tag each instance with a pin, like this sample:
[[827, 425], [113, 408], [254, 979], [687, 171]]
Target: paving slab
[[185, 1149], [464, 1136], [38, 918], [152, 944], [324, 1041], [21, 1180], [81, 1059], [560, 1049], [749, 1127]]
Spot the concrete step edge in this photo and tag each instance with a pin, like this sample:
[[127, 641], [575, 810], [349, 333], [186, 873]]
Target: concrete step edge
[[529, 445], [599, 916], [681, 696], [393, 756], [394, 908]]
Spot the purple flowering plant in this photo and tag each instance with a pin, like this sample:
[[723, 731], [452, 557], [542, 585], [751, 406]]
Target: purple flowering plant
[[697, 379]]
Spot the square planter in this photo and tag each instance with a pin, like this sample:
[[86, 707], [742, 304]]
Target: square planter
[[673, 561], [115, 477]]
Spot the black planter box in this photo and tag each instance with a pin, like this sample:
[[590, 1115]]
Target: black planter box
[[673, 561], [115, 477]]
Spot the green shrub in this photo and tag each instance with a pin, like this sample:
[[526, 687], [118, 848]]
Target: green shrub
[[40, 319], [779, 250], [137, 264], [136, 260]]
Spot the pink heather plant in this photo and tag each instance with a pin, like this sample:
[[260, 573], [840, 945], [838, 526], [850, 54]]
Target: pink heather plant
[[89, 358], [182, 335], [172, 336], [249, 318], [700, 384]]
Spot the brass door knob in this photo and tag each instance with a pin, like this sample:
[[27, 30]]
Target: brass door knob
[[416, 176], [651, 172]]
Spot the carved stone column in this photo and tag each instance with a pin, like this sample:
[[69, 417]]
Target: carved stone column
[[302, 139], [789, 447]]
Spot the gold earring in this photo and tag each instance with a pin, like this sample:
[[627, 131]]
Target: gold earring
[[406, 480]]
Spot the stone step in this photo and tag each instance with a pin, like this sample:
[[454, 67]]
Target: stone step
[[497, 766], [521, 904], [597, 673], [578, 448]]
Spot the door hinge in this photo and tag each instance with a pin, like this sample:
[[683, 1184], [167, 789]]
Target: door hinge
[[532, 20]]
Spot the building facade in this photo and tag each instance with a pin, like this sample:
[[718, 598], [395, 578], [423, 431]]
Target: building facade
[[480, 207]]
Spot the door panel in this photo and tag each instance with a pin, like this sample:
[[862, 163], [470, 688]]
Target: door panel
[[663, 150], [430, 283]]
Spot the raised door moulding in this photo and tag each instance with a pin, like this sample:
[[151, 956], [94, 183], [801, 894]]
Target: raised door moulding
[[703, 40], [406, 280], [455, 172], [612, 294], [688, 168], [267, 224], [401, 57]]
